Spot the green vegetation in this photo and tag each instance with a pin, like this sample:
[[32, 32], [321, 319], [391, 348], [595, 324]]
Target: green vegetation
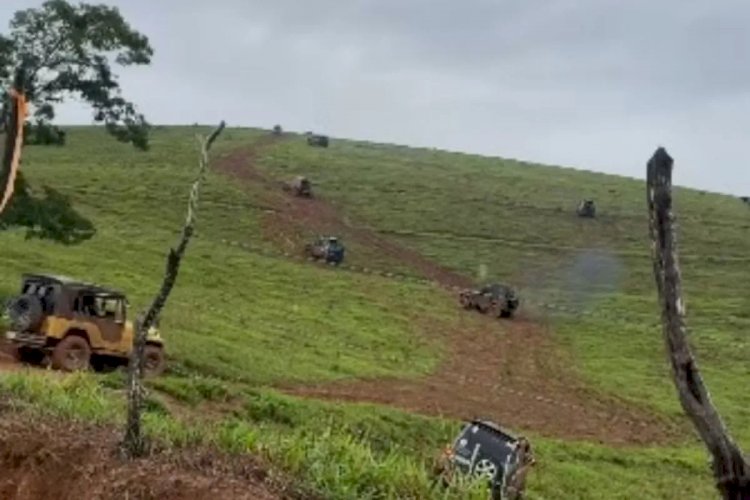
[[240, 320], [365, 451], [519, 221], [235, 311]]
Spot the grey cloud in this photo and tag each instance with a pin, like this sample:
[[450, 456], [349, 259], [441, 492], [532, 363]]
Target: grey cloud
[[594, 83]]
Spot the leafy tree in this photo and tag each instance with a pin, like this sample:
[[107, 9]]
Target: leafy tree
[[43, 134], [55, 52], [61, 50]]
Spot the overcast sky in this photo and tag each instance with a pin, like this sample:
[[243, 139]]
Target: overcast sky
[[594, 84]]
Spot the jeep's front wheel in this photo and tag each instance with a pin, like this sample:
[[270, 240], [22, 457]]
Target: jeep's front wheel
[[153, 360], [73, 353]]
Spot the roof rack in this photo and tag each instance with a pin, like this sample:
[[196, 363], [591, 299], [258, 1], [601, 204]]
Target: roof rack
[[73, 283]]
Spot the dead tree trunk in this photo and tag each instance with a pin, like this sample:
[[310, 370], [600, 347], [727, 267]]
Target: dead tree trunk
[[133, 443], [12, 121], [730, 468]]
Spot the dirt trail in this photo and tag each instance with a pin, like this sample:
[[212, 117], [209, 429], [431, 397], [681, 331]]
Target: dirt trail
[[292, 220], [513, 378], [69, 461], [510, 372]]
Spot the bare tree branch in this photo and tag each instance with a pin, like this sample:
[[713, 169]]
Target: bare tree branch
[[133, 443], [730, 468]]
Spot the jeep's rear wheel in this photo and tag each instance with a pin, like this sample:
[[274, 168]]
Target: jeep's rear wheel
[[73, 353], [153, 360]]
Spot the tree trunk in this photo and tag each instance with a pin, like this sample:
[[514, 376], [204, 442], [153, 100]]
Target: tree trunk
[[730, 468], [133, 443]]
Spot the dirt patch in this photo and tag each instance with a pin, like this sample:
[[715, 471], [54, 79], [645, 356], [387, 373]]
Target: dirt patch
[[72, 461], [8, 358], [290, 221], [511, 377], [512, 373]]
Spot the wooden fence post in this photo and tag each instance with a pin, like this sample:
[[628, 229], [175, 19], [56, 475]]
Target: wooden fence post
[[730, 468]]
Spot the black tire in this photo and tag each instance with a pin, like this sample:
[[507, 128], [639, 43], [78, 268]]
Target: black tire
[[500, 309], [25, 313], [72, 353], [154, 361]]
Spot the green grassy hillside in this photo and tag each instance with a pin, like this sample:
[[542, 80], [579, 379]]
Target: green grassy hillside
[[518, 220], [241, 320]]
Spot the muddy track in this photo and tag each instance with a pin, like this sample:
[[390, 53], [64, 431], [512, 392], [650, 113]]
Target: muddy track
[[291, 220], [509, 371], [61, 460], [512, 377]]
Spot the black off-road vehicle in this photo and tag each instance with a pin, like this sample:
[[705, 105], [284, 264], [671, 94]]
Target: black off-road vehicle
[[586, 208], [299, 186], [497, 298], [484, 450], [316, 140], [328, 248]]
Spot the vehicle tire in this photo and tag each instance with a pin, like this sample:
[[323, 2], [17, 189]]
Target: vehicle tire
[[500, 309], [25, 313], [153, 360], [505, 313], [72, 353]]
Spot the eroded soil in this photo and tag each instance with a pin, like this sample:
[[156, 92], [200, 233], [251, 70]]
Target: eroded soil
[[62, 460]]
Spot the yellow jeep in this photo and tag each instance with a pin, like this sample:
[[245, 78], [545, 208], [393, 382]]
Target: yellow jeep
[[77, 325]]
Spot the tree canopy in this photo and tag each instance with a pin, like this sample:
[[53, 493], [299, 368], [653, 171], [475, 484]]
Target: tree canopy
[[60, 50]]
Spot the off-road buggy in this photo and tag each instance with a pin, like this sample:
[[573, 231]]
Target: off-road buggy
[[316, 140], [501, 300], [484, 450], [299, 186], [76, 325], [328, 248], [586, 208]]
